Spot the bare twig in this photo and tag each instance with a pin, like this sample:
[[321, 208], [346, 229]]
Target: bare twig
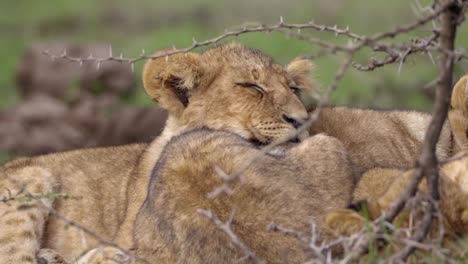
[[440, 41], [428, 159], [226, 228], [396, 53], [419, 22], [427, 163], [285, 28], [321, 251], [418, 236]]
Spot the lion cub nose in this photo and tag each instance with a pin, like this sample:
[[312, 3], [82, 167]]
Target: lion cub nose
[[295, 122]]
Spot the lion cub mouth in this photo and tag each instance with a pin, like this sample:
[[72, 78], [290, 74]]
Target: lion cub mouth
[[294, 140], [259, 143], [260, 139]]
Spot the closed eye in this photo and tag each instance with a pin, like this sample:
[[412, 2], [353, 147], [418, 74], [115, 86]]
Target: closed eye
[[254, 86], [295, 90]]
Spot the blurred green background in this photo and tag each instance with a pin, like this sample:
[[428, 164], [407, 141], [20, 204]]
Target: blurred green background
[[130, 26]]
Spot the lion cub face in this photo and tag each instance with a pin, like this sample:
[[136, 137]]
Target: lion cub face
[[233, 88]]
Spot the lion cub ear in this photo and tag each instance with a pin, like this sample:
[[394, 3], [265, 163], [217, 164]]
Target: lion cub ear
[[458, 114], [299, 70], [170, 80]]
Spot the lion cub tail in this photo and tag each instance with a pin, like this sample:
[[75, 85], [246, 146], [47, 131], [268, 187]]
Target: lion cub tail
[[458, 114]]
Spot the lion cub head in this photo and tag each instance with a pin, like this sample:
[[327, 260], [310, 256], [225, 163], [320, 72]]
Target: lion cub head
[[233, 88]]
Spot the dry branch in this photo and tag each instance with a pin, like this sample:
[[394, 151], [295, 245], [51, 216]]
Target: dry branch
[[441, 40], [428, 160], [289, 29], [427, 165], [226, 228]]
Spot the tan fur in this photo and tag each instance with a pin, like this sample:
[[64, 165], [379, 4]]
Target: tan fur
[[388, 139], [199, 91], [113, 181], [453, 202], [380, 187], [98, 176], [289, 190], [458, 114]]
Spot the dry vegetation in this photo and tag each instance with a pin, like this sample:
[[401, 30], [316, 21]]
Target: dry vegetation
[[441, 21]]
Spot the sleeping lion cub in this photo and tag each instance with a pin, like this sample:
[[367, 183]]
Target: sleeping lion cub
[[223, 104]]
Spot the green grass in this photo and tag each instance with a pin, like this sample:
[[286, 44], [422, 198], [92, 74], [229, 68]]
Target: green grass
[[153, 25]]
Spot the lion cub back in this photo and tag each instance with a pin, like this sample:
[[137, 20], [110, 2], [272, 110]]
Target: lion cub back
[[386, 139], [290, 190]]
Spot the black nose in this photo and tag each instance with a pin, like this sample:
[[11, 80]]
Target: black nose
[[293, 121]]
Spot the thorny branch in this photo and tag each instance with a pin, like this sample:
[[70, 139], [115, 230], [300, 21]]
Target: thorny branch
[[441, 41], [322, 251], [427, 164], [295, 30], [428, 160], [417, 45], [226, 228]]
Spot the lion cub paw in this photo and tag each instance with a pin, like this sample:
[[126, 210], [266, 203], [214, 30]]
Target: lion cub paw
[[344, 222], [105, 255]]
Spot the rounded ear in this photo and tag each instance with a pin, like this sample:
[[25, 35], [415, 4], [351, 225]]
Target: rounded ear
[[170, 80], [458, 114], [459, 98], [299, 71]]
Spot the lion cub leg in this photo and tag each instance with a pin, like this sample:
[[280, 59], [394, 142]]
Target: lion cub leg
[[22, 217], [371, 196], [458, 114], [377, 190], [453, 186]]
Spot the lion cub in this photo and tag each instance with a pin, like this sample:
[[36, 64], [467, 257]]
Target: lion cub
[[223, 104], [380, 187]]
